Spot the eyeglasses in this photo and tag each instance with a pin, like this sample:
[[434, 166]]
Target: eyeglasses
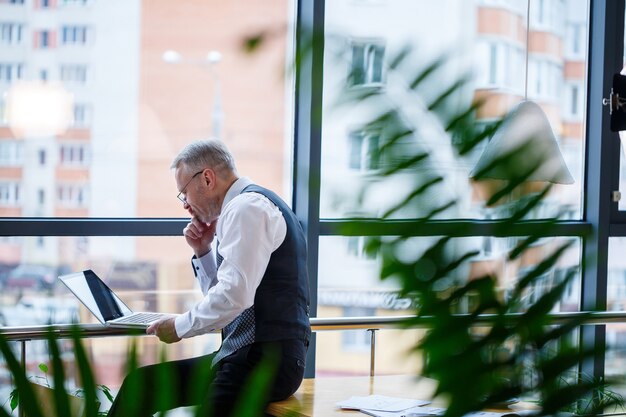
[[181, 196]]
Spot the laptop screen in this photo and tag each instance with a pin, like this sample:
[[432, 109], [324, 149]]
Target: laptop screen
[[95, 295]]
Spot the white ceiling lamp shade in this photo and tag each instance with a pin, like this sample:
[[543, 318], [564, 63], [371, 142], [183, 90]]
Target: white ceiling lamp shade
[[523, 152], [524, 148], [38, 109]]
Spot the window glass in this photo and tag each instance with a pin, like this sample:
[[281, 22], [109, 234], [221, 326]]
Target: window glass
[[347, 352], [372, 67], [615, 365], [148, 274], [615, 357], [132, 108], [349, 286], [143, 269], [352, 285]]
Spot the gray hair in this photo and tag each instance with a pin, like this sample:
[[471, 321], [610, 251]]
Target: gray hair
[[201, 154]]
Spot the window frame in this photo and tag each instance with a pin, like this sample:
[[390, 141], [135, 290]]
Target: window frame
[[601, 219]]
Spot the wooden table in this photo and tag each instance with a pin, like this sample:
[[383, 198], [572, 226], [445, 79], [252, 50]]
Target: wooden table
[[317, 397]]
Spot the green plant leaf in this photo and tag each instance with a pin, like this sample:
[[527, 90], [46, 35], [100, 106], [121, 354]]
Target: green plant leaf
[[61, 401], [521, 354], [106, 391], [26, 394], [86, 375], [14, 399]]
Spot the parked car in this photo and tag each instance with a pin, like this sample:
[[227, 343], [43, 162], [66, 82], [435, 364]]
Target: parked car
[[4, 271], [39, 277]]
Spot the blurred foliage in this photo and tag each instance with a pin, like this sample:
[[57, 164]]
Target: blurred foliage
[[25, 393], [522, 356], [476, 366], [521, 353], [44, 382], [606, 398], [29, 399]]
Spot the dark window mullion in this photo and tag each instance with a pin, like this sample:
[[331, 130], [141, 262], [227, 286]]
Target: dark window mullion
[[307, 139], [41, 226], [455, 228], [601, 166]]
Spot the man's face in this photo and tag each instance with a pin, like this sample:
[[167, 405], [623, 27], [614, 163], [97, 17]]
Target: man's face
[[197, 191]]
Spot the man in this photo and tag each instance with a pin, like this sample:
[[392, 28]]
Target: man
[[255, 288]]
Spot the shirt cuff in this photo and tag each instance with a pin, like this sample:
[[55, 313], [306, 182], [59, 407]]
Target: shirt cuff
[[182, 324], [205, 264]]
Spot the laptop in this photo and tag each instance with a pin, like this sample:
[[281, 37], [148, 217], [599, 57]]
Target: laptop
[[103, 303]]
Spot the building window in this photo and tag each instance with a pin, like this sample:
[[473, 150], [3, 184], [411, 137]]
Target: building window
[[500, 64], [10, 71], [548, 15], [41, 196], [73, 155], [367, 63], [541, 11], [43, 75], [9, 193], [493, 64], [577, 38], [42, 157], [72, 195], [10, 33], [364, 150], [545, 78], [82, 115], [74, 74], [574, 100], [44, 39], [74, 35], [11, 153]]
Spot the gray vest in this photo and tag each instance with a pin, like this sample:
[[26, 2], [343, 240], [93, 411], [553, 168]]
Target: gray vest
[[281, 303]]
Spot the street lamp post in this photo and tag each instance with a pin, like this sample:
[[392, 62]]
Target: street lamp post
[[211, 61]]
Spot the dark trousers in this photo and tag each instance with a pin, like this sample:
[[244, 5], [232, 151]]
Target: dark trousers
[[217, 390]]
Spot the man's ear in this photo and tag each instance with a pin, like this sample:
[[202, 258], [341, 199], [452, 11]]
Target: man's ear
[[209, 178]]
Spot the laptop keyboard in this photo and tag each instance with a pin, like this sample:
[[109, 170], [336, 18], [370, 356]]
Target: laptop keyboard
[[140, 318]]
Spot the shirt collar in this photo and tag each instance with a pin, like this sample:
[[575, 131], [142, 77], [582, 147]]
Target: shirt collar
[[235, 189]]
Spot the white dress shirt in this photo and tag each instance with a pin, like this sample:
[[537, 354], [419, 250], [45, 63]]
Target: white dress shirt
[[249, 229]]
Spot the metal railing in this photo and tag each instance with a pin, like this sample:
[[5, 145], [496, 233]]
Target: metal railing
[[372, 324]]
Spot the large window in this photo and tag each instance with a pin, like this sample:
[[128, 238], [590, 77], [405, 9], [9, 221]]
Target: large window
[[505, 60], [131, 111], [144, 85], [508, 53], [135, 108]]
